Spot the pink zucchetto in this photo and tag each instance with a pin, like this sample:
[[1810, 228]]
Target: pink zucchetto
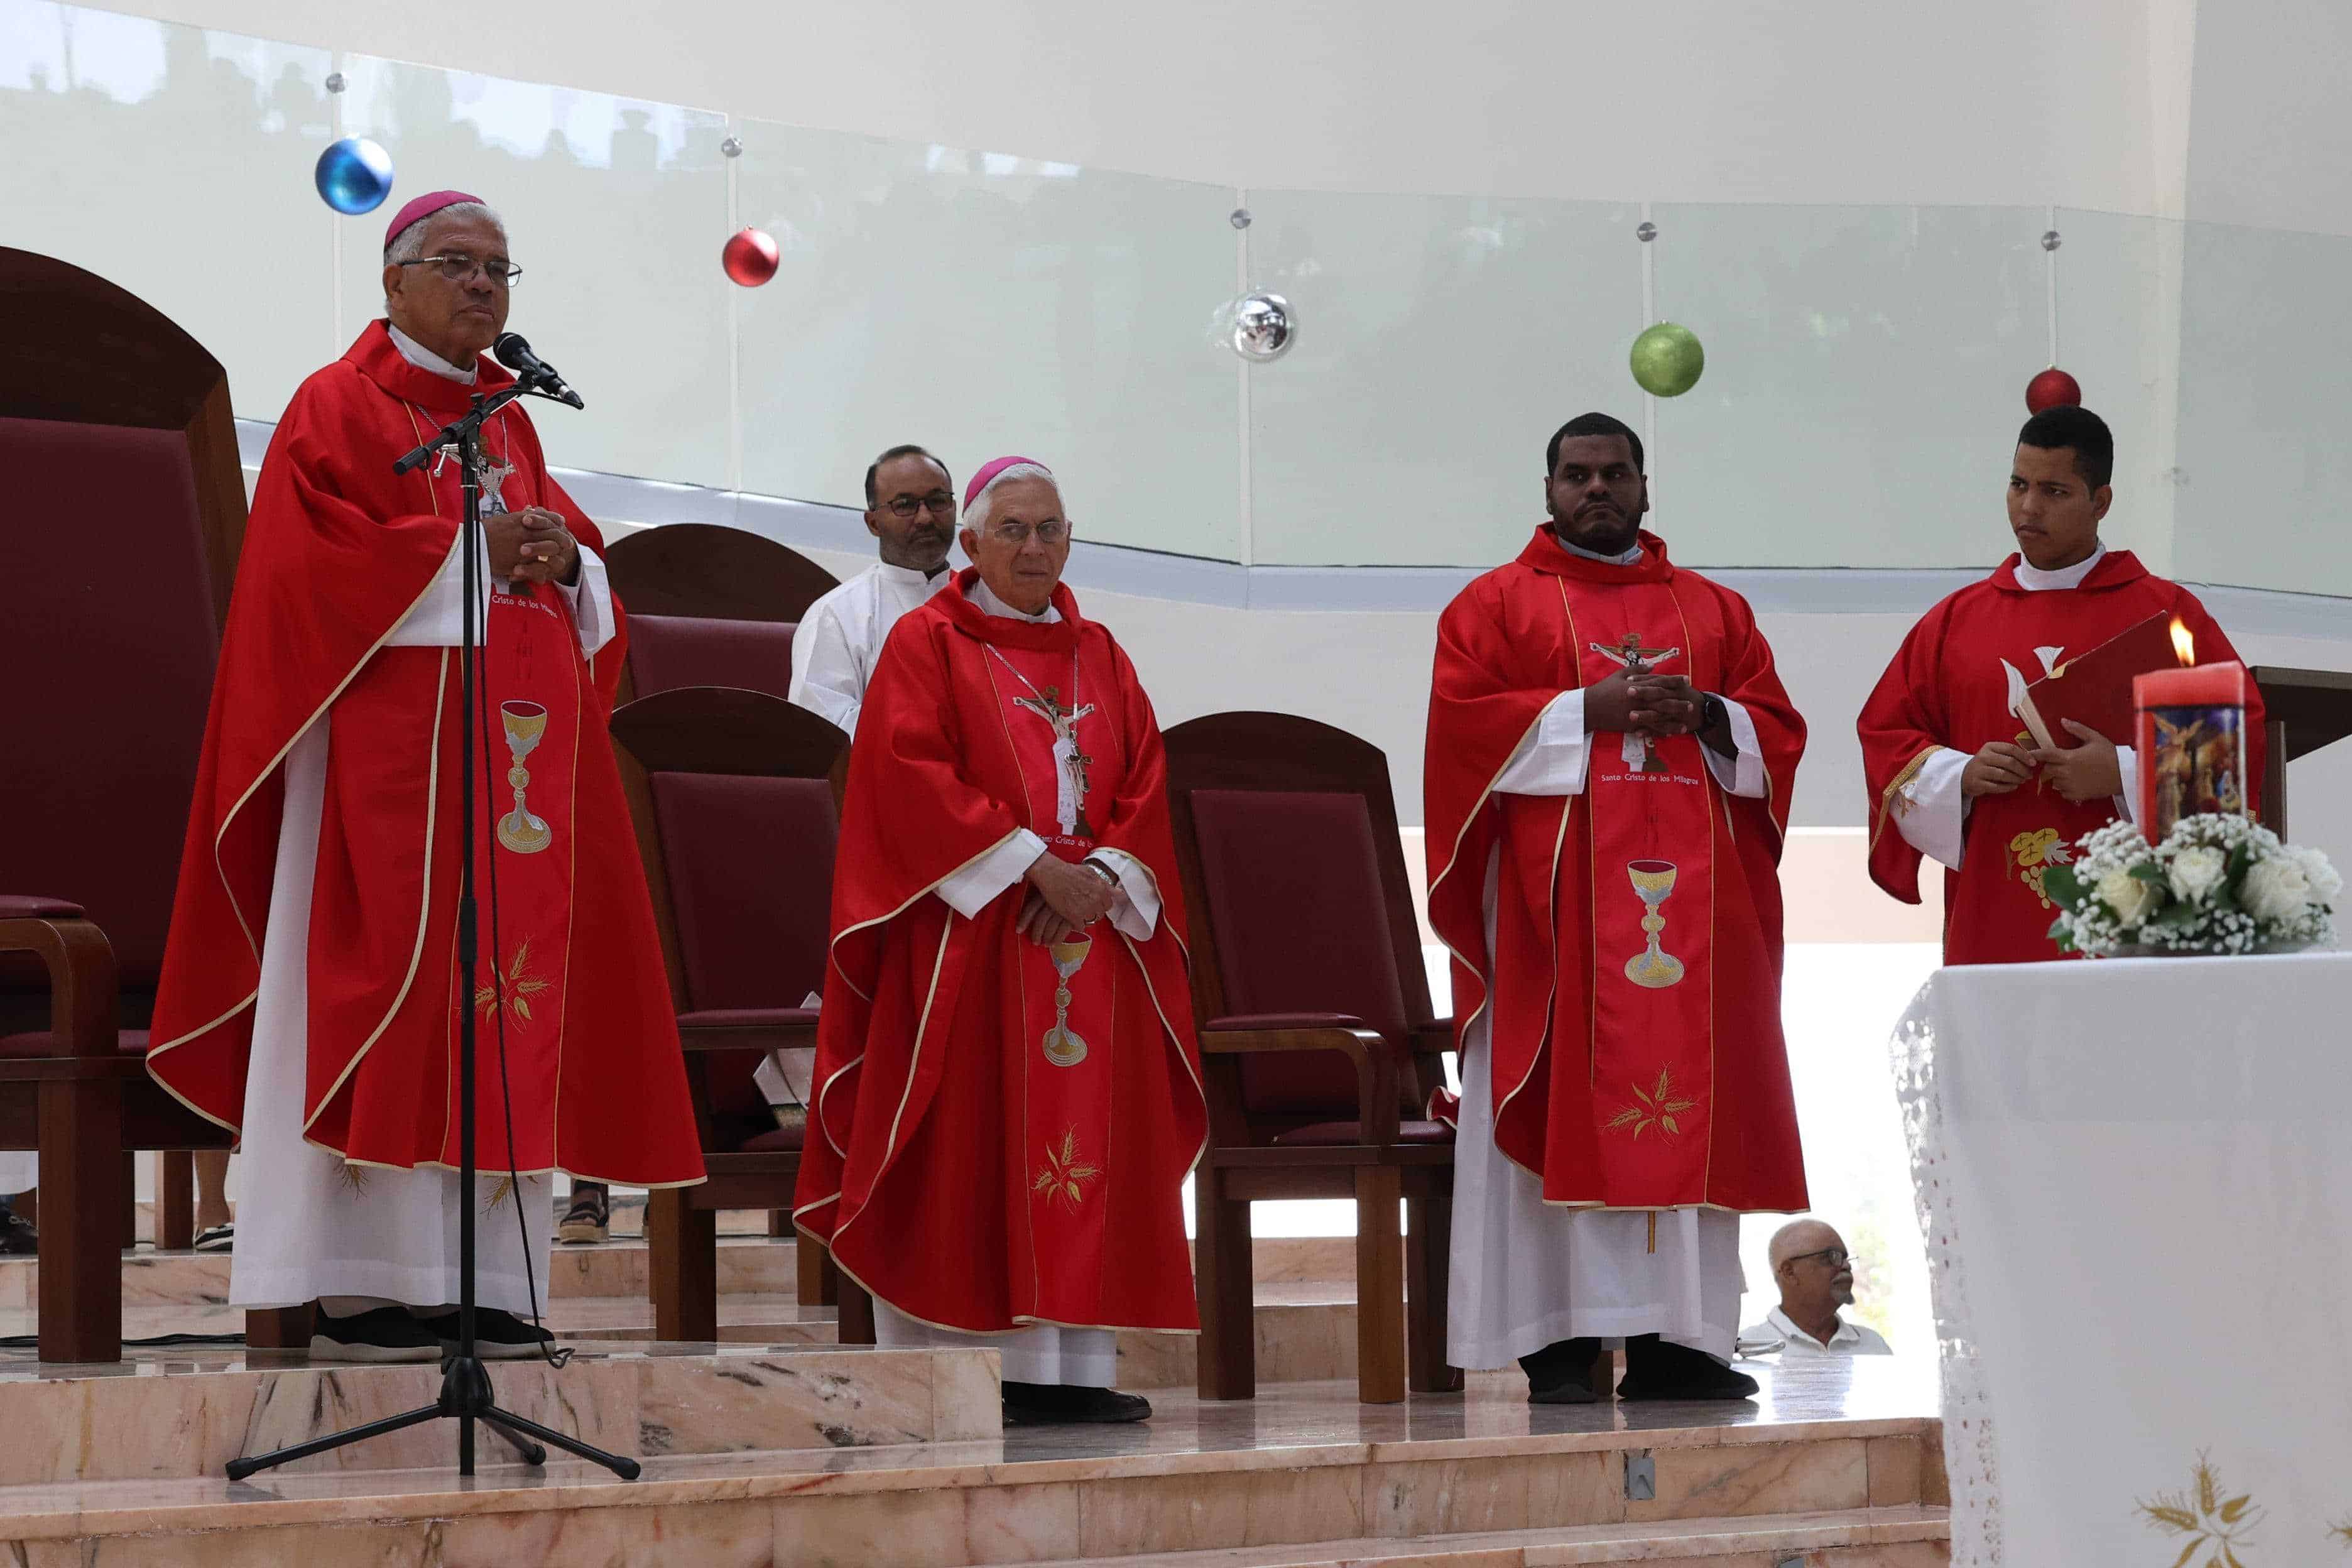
[[424, 206], [990, 475]]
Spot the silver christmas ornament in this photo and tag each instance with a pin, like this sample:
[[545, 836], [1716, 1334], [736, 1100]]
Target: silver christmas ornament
[[1241, 218], [1646, 233], [334, 82], [1259, 327], [2050, 241], [731, 148]]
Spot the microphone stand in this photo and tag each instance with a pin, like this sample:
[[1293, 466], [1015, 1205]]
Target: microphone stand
[[466, 1395]]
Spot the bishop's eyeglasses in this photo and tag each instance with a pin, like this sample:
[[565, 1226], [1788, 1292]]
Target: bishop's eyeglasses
[[457, 267]]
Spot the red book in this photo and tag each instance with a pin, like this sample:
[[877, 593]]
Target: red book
[[2096, 689]]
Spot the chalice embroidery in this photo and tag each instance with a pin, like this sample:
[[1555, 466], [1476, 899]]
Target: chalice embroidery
[[1650, 968], [526, 726], [1064, 1049], [1637, 749]]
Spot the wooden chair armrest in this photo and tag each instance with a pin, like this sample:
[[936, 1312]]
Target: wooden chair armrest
[[80, 961], [1432, 1038], [1376, 1081], [749, 1037]]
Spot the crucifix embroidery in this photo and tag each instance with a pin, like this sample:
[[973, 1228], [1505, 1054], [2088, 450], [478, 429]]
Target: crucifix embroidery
[[1070, 763], [1628, 651]]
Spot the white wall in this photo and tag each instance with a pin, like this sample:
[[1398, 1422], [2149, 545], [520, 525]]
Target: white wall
[[1998, 102], [2271, 141]]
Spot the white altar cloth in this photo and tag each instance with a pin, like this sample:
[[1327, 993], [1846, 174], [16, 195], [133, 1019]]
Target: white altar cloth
[[2136, 1179]]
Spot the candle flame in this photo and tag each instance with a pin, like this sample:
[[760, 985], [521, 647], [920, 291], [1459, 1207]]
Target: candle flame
[[2184, 641]]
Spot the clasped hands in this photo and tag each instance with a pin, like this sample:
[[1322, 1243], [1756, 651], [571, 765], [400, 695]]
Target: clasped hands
[[531, 546], [1064, 898], [1645, 704], [2090, 770]]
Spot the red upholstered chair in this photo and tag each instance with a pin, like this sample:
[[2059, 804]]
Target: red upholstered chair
[[711, 606], [1317, 1036], [125, 511], [735, 797]]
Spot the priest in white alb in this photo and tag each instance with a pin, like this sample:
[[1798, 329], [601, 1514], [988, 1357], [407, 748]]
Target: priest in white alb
[[910, 509]]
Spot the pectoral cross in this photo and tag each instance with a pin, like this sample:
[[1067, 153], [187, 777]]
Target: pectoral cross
[[1070, 762], [1628, 651]]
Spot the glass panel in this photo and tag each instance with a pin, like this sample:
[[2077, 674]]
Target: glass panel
[[981, 304], [2265, 378], [2119, 298], [1865, 374], [616, 210], [1441, 341], [121, 133]]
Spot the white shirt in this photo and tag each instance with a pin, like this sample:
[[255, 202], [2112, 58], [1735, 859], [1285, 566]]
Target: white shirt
[[1850, 1339], [1935, 824], [842, 635]]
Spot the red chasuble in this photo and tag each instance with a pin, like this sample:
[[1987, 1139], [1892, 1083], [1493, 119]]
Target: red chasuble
[[1002, 1131], [339, 550], [1635, 981], [1951, 685]]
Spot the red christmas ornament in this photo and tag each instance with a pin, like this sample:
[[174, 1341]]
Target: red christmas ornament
[[2053, 388], [749, 257]]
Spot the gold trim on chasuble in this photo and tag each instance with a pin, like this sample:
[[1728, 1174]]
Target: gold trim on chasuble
[[1892, 801]]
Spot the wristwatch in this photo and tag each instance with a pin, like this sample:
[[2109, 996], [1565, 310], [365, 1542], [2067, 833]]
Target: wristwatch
[[1105, 872], [1712, 712]]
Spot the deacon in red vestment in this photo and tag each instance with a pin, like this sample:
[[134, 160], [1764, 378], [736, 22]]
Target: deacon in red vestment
[[1009, 1092], [1953, 774], [312, 992], [1609, 759]]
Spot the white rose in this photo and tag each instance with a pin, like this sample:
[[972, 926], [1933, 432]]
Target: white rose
[[2196, 871], [2132, 899], [2275, 889], [2316, 870]]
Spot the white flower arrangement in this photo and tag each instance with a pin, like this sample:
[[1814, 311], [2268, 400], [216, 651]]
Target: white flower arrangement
[[2218, 883]]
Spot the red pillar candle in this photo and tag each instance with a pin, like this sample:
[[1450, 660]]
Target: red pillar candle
[[2192, 736]]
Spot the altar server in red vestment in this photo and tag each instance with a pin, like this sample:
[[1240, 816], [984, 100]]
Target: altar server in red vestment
[[1953, 774], [1609, 759], [311, 992], [1009, 1092]]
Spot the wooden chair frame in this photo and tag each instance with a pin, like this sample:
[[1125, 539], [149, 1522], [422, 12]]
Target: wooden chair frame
[[1400, 1282]]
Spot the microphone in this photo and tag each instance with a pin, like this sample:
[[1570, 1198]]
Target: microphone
[[515, 353]]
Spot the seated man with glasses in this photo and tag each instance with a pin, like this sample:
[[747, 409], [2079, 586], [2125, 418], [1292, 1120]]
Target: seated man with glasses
[[1008, 1085], [1815, 1273], [910, 509]]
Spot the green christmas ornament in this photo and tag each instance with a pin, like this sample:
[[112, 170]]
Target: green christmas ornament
[[1667, 359]]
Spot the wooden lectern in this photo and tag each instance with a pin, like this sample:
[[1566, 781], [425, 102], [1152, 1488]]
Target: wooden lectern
[[2305, 710]]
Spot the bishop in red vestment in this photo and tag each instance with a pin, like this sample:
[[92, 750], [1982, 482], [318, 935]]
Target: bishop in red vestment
[[1609, 759], [1009, 1094], [312, 992], [1953, 774]]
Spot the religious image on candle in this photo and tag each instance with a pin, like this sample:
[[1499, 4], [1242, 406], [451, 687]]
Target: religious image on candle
[[2191, 738]]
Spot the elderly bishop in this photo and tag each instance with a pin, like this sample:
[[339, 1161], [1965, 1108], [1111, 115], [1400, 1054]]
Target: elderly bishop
[[311, 991]]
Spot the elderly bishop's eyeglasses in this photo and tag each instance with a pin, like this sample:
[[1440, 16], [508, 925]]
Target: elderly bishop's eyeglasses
[[1051, 531], [457, 267]]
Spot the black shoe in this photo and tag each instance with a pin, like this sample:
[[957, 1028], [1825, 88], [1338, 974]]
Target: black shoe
[[1561, 1373], [219, 1239], [1061, 1405], [497, 1335], [18, 1237], [589, 1220], [1660, 1369], [384, 1334]]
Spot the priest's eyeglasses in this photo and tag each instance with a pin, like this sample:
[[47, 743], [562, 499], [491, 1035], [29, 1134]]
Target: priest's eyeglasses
[[938, 503], [457, 267], [1835, 1256], [1049, 532]]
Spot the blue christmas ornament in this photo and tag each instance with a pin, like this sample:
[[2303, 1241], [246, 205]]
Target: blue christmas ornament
[[354, 175]]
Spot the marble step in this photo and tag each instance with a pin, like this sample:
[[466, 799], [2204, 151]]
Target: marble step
[[175, 1416], [748, 1264], [1303, 1477]]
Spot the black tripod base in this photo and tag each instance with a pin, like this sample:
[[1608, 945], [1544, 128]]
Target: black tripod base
[[465, 1398]]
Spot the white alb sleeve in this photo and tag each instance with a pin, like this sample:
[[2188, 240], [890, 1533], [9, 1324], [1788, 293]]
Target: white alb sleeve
[[1134, 908], [439, 618], [981, 881], [1742, 773], [1937, 811], [591, 600], [2128, 766], [1553, 757], [824, 672]]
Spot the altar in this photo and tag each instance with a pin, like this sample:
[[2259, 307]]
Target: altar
[[2136, 1180]]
